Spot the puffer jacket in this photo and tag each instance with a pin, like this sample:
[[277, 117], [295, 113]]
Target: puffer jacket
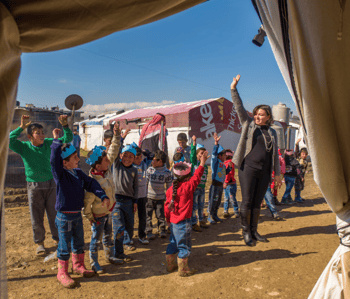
[[92, 204]]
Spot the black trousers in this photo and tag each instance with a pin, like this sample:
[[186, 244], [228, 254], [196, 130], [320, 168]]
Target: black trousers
[[254, 184], [158, 207], [141, 211]]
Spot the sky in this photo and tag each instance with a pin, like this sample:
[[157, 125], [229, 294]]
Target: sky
[[190, 56]]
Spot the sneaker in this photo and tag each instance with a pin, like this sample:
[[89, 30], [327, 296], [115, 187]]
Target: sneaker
[[151, 236], [131, 242], [40, 249], [124, 257], [144, 241], [226, 214], [299, 200], [237, 215], [286, 202], [211, 220], [276, 216], [162, 234], [129, 247], [196, 228]]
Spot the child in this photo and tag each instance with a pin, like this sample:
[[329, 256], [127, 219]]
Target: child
[[107, 138], [126, 192], [178, 211], [219, 172], [40, 183], [292, 168], [272, 186], [299, 181], [71, 183], [141, 166], [197, 151], [98, 215], [183, 147], [76, 142], [157, 176], [230, 187]]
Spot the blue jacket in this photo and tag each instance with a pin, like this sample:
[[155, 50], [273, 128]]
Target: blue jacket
[[218, 167], [71, 184]]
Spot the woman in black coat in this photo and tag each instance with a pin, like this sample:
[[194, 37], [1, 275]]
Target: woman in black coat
[[256, 157]]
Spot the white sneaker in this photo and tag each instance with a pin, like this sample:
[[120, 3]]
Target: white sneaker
[[144, 241]]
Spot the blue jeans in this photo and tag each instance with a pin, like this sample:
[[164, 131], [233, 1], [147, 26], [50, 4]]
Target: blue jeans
[[71, 234], [215, 195], [123, 219], [198, 204], [230, 197], [103, 225], [180, 238], [297, 195], [289, 186], [270, 201]]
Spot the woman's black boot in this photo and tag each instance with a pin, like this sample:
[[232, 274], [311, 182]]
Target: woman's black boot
[[246, 231], [254, 226]]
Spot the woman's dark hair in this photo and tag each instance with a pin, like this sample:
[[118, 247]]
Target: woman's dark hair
[[32, 127], [99, 160], [268, 111], [63, 149]]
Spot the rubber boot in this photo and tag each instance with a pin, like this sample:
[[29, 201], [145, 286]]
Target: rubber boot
[[62, 275], [94, 263], [171, 264], [184, 269], [254, 226], [246, 232], [79, 266], [110, 258]]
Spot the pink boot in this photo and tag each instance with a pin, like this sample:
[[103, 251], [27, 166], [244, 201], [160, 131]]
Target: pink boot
[[79, 267], [63, 276]]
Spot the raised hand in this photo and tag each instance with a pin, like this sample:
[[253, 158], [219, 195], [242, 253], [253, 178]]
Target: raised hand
[[63, 119], [204, 158], [25, 122], [116, 130], [56, 133], [235, 81], [126, 133], [194, 138], [216, 138]]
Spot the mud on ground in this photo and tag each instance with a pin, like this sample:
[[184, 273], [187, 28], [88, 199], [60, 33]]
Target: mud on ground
[[287, 267]]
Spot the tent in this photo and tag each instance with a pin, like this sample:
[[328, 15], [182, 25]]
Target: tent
[[201, 118]]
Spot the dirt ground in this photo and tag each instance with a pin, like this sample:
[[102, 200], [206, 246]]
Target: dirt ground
[[287, 267]]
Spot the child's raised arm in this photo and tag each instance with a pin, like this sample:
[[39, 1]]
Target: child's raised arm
[[114, 148], [55, 158], [68, 135], [15, 144]]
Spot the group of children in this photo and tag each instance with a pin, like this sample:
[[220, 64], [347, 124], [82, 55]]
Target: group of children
[[121, 181]]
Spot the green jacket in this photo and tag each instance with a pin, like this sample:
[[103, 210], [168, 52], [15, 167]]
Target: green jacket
[[36, 159], [195, 165]]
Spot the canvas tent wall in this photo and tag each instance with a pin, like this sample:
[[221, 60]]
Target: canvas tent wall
[[311, 41]]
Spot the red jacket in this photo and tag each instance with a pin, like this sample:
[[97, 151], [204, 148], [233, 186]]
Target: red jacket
[[230, 177], [184, 198]]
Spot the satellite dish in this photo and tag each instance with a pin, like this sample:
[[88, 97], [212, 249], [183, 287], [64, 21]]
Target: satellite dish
[[74, 102]]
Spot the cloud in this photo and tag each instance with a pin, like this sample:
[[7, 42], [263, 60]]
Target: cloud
[[63, 81], [109, 108]]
